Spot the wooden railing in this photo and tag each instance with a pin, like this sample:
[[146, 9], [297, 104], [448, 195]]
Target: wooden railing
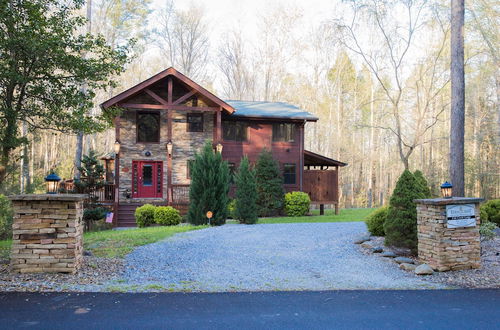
[[105, 194], [180, 194]]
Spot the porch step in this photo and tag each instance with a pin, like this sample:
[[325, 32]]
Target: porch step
[[126, 212]]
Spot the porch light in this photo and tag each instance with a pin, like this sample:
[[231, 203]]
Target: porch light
[[52, 182], [219, 147], [169, 148], [117, 147], [446, 189]]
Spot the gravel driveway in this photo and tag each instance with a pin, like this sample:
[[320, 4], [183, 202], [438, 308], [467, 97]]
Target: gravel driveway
[[303, 256]]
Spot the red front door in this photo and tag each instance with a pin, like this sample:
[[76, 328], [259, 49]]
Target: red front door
[[147, 179]]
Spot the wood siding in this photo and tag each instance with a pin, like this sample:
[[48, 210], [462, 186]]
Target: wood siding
[[321, 185]]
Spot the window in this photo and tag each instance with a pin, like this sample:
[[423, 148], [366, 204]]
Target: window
[[232, 172], [195, 122], [283, 132], [289, 176], [188, 168], [148, 127], [234, 131]]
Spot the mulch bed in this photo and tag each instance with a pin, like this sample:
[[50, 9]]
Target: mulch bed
[[94, 271]]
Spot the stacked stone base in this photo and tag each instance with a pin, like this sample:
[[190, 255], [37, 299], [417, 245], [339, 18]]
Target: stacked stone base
[[47, 233], [445, 248]]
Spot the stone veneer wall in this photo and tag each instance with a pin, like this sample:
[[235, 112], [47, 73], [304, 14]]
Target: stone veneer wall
[[447, 248], [185, 145], [47, 233]]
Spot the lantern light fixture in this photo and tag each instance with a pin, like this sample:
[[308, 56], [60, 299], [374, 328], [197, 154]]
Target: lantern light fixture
[[52, 182], [219, 147], [446, 189], [169, 148], [117, 147]]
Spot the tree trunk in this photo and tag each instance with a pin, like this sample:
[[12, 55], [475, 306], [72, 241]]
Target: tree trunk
[[457, 128]]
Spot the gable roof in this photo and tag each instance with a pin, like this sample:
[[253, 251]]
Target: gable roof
[[272, 110], [157, 77]]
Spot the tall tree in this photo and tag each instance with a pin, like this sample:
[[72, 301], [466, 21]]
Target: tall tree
[[246, 193], [457, 127], [269, 185], [42, 71]]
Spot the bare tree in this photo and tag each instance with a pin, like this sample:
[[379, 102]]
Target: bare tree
[[183, 39]]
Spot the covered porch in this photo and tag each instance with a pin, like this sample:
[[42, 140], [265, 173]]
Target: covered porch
[[321, 180]]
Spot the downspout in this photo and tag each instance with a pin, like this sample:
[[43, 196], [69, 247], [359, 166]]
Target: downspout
[[301, 162]]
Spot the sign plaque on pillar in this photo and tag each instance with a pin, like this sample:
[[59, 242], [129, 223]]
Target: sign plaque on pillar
[[460, 216]]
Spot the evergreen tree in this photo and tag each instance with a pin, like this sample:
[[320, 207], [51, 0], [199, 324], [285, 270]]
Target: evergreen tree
[[209, 187], [424, 186], [400, 227], [246, 193], [269, 185]]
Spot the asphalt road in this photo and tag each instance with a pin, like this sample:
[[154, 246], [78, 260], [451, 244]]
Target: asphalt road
[[413, 309]]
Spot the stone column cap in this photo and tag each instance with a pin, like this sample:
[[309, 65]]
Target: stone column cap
[[453, 200], [48, 197]]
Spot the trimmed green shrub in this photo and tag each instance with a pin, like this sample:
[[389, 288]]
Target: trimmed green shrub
[[6, 217], [375, 221], [487, 230], [167, 216], [209, 187], [246, 194], [297, 204], [490, 211], [145, 215], [400, 227], [269, 185], [231, 208], [422, 182]]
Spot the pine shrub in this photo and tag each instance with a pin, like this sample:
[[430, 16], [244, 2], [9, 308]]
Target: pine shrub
[[6, 217], [490, 211], [422, 182], [400, 227], [375, 221], [246, 194], [297, 204], [145, 215], [209, 187], [167, 216], [269, 185]]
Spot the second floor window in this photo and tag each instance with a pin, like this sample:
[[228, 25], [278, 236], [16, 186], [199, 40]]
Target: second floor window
[[283, 132], [148, 127], [195, 122], [234, 131]]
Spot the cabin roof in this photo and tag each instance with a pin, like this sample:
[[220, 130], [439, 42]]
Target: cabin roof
[[314, 159], [272, 110]]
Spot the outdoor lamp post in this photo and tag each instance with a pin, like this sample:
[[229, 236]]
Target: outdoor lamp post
[[52, 182], [117, 147], [219, 147], [446, 189], [169, 148]]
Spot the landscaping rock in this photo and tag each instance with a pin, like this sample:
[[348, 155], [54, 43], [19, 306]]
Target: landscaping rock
[[409, 267], [424, 269], [367, 245], [87, 253], [389, 254], [362, 240], [401, 260], [378, 249]]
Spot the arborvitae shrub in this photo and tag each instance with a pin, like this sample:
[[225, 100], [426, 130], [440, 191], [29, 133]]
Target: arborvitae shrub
[[490, 211], [145, 215], [6, 217], [375, 221], [167, 216], [269, 185], [400, 227], [209, 187], [424, 185], [297, 204], [246, 194]]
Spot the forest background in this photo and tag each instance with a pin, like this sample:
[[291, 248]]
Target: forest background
[[376, 73]]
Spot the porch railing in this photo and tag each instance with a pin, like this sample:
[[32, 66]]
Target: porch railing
[[180, 194], [105, 194]]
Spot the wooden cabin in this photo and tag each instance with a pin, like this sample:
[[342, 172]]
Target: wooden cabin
[[167, 119]]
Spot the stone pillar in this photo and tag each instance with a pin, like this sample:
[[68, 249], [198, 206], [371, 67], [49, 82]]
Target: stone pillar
[[47, 233], [449, 241]]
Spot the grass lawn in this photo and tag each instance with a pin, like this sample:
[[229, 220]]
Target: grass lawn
[[345, 215], [117, 243]]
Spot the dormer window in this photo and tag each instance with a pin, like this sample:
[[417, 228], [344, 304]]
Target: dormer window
[[148, 127]]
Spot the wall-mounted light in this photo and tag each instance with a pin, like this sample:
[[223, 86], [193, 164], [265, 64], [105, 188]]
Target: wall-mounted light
[[446, 189], [169, 148], [52, 182], [219, 147], [117, 147]]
